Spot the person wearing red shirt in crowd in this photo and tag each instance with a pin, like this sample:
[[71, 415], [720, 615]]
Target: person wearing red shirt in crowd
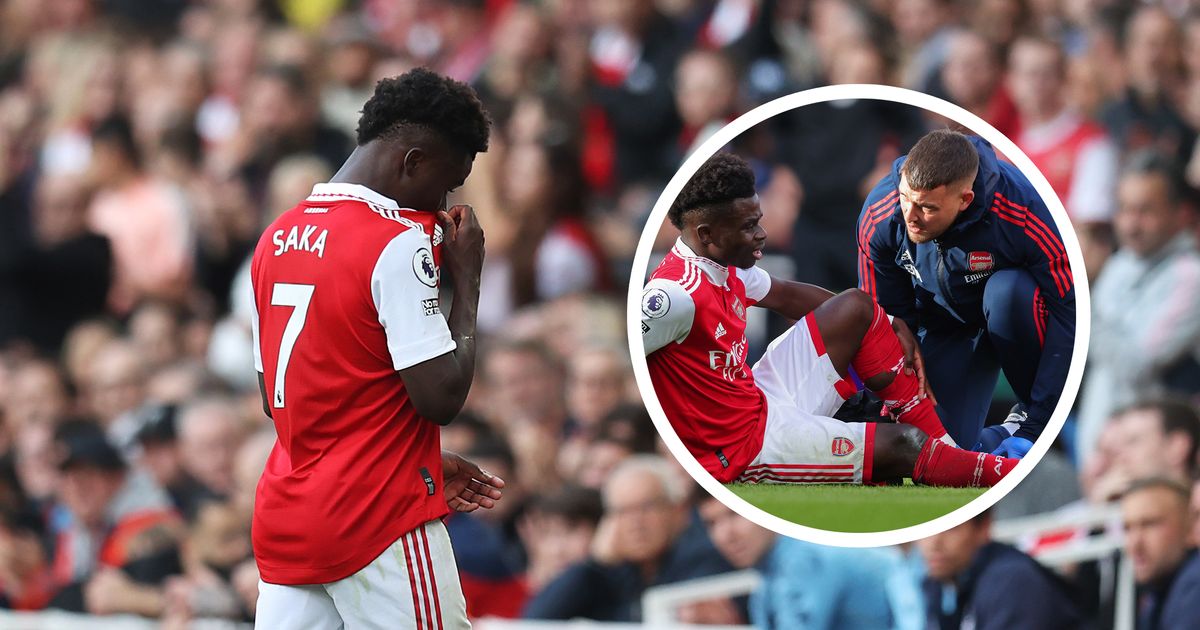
[[773, 422], [358, 368]]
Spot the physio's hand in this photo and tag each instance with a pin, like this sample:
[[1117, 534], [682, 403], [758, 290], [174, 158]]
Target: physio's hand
[[1013, 447], [914, 363], [467, 486]]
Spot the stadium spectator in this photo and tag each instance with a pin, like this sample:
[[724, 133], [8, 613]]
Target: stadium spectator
[[973, 78], [634, 50], [858, 588], [216, 545], [58, 251], [523, 381], [557, 531], [1165, 563], [115, 533], [966, 569], [705, 96], [646, 537], [1145, 322], [37, 395], [1149, 438], [144, 218], [1073, 153], [1145, 117]]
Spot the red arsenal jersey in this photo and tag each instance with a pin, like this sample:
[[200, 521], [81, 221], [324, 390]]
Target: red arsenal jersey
[[694, 332], [346, 294]]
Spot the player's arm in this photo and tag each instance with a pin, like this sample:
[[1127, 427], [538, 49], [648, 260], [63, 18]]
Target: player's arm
[[434, 355], [1046, 261], [878, 274], [667, 314], [792, 300], [258, 364]]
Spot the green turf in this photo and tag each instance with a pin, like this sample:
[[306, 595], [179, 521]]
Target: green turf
[[851, 508]]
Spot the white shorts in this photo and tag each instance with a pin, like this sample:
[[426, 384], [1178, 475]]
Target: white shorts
[[802, 442], [412, 584]]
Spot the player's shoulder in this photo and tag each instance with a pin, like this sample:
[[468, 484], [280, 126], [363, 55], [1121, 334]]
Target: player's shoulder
[[667, 298], [681, 271]]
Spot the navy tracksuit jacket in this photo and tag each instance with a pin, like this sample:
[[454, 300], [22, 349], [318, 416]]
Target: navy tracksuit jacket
[[995, 291]]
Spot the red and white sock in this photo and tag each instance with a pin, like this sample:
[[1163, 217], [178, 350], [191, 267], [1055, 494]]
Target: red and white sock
[[881, 352], [943, 465]]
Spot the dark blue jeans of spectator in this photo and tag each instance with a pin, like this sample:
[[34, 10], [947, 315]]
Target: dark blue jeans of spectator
[[963, 364]]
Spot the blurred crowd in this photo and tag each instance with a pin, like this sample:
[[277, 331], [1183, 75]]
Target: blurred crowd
[[144, 146]]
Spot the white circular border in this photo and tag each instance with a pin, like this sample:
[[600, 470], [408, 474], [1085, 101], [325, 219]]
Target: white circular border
[[726, 135]]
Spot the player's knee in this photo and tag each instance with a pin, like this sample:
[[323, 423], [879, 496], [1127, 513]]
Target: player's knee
[[901, 442], [859, 303], [910, 440]]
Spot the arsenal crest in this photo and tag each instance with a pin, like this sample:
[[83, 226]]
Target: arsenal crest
[[980, 261], [842, 446], [738, 309]]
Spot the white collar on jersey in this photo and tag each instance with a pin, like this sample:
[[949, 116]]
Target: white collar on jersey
[[333, 191], [715, 272]]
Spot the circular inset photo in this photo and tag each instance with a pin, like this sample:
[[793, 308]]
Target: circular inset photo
[[855, 317]]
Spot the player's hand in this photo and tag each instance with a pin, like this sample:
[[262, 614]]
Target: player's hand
[[914, 363], [463, 246], [1013, 447], [467, 486]]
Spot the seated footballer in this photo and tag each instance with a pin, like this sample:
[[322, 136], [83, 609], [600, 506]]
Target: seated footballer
[[773, 422]]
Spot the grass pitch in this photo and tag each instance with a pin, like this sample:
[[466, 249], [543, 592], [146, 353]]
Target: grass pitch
[[852, 508]]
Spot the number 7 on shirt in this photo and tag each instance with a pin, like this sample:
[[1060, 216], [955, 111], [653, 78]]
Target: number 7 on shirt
[[297, 296]]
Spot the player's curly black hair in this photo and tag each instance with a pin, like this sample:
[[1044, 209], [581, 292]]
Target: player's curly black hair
[[427, 99], [725, 177]]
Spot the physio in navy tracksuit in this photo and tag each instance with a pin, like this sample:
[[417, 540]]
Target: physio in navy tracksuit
[[960, 245]]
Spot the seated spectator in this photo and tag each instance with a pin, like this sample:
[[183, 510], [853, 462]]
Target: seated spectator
[[967, 572], [115, 533], [1075, 154], [37, 394], [1151, 438], [217, 544], [646, 537], [210, 431], [161, 456], [557, 530], [115, 388], [623, 432], [1166, 566], [144, 219], [486, 545], [1145, 116], [26, 577], [973, 78], [858, 588], [64, 254], [1146, 302]]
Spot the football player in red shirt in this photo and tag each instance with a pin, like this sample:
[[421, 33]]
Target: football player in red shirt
[[773, 422], [358, 368]]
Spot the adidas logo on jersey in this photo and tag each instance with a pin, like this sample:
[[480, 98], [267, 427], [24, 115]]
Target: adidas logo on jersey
[[720, 332]]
